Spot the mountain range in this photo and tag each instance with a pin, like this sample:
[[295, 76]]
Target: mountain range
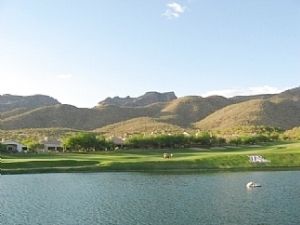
[[153, 111]]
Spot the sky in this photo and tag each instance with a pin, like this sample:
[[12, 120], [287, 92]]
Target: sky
[[82, 51]]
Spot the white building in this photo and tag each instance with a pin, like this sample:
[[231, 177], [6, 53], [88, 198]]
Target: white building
[[13, 146], [117, 140], [51, 145]]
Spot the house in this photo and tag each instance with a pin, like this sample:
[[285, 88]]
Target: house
[[118, 142], [14, 146], [51, 145]]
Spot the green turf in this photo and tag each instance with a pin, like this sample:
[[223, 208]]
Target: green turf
[[282, 156]]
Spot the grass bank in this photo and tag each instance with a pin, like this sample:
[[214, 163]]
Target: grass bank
[[282, 157]]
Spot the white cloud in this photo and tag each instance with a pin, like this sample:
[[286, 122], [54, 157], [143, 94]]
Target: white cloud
[[174, 10], [245, 91], [64, 76]]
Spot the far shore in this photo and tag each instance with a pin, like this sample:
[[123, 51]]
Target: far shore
[[281, 157]]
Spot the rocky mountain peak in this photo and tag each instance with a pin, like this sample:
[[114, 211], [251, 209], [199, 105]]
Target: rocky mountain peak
[[10, 102], [146, 99]]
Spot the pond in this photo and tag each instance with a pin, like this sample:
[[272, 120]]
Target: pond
[[150, 198]]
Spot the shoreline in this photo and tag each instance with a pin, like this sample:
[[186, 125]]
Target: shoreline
[[101, 170]]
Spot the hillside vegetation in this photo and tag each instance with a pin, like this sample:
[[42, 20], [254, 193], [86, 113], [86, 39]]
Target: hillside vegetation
[[154, 132], [293, 134], [36, 134], [144, 125]]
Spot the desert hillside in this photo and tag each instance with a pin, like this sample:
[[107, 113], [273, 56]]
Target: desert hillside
[[139, 125], [282, 111], [152, 110]]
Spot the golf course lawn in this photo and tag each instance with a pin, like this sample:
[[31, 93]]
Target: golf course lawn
[[284, 156]]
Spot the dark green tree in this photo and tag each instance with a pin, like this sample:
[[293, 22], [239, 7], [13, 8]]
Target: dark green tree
[[32, 144], [85, 142], [3, 148]]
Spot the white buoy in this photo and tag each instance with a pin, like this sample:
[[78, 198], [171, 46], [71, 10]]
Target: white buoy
[[252, 184]]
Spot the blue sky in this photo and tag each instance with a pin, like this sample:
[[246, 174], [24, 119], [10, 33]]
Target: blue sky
[[83, 51]]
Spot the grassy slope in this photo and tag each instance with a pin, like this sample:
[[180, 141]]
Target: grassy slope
[[284, 156]]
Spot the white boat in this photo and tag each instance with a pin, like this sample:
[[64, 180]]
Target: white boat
[[252, 184]]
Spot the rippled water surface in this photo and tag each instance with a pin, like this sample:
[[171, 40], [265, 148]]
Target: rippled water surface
[[141, 198]]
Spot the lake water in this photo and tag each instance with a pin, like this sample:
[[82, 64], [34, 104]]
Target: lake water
[[143, 198]]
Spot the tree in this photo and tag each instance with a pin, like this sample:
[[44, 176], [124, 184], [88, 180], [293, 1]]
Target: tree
[[3, 148], [33, 145], [235, 141], [203, 138], [85, 141]]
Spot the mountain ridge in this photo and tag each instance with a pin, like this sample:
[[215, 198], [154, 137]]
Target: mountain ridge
[[196, 112]]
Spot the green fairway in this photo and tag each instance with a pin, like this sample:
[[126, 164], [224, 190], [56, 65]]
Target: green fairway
[[282, 157]]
